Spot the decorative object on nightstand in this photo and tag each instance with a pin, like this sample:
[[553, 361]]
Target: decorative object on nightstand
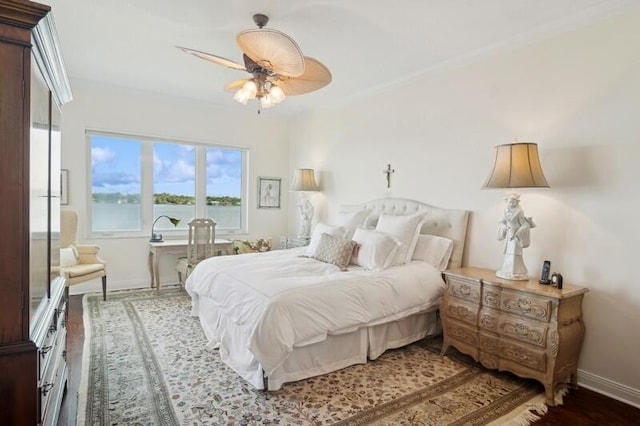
[[304, 181], [157, 238], [517, 165], [293, 242], [531, 330]]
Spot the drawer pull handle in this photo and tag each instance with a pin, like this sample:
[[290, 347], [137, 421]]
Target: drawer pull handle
[[45, 350], [524, 305], [46, 388]]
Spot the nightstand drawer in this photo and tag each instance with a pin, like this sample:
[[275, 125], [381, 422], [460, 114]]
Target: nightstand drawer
[[525, 356], [465, 312], [526, 304], [524, 330], [465, 289]]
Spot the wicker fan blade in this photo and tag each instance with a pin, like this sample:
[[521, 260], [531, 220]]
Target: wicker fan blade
[[235, 85], [213, 58], [272, 50], [315, 77]]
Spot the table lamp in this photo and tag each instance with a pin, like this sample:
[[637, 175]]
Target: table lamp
[[516, 165], [304, 181], [157, 238]]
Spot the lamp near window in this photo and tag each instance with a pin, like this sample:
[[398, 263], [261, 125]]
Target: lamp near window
[[157, 238], [304, 181], [516, 165]]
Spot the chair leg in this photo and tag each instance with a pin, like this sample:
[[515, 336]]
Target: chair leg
[[104, 288]]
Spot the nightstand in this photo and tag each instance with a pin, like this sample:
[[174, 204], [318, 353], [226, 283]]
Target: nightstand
[[291, 242], [532, 330]]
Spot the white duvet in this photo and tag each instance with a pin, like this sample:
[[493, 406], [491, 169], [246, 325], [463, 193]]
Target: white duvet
[[279, 299]]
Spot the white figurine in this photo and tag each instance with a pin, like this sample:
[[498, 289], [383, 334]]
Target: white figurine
[[514, 228]]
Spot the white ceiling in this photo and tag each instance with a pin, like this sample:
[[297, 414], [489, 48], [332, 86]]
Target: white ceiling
[[368, 45]]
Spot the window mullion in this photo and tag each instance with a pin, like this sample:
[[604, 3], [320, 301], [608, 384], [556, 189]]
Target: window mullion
[[147, 185], [201, 181]]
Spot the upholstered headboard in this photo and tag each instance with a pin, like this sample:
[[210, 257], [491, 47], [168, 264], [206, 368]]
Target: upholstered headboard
[[446, 223]]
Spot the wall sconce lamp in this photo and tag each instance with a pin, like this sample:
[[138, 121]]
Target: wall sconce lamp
[[516, 165], [157, 238], [304, 181]]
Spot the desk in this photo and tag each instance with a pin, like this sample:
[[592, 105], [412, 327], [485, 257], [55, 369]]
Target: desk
[[179, 247]]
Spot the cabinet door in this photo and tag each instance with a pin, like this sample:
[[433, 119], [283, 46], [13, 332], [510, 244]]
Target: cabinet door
[[39, 158]]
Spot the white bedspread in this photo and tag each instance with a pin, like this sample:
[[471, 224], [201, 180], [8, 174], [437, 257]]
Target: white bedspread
[[280, 300]]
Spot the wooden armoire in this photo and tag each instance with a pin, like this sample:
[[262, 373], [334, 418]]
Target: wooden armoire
[[33, 86]]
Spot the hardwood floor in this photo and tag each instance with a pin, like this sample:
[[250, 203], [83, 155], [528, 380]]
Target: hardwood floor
[[581, 407]]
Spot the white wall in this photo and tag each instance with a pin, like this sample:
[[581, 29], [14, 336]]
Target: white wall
[[137, 113], [578, 97]]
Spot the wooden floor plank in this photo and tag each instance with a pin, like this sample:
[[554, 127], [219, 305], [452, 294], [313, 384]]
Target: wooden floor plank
[[581, 407]]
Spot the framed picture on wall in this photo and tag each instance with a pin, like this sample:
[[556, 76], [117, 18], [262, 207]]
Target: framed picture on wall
[[268, 193], [64, 187]]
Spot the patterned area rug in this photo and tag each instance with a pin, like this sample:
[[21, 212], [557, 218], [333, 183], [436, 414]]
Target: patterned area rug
[[145, 362]]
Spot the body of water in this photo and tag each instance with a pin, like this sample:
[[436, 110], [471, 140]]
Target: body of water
[[110, 217]]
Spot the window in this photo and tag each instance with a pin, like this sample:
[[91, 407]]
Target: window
[[135, 180]]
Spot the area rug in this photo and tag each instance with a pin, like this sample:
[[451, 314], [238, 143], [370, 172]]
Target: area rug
[[146, 362]]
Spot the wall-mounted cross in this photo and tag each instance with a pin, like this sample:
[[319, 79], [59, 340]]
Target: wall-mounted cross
[[388, 171]]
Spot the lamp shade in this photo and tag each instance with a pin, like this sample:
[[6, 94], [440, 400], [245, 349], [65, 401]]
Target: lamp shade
[[304, 180], [517, 165]]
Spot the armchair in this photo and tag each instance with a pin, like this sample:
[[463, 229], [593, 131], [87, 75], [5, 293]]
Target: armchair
[[79, 262]]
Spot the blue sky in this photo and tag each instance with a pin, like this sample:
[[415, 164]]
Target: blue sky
[[116, 167]]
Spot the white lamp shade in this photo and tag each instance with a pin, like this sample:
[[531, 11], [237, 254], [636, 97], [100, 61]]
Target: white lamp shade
[[304, 180], [517, 165]]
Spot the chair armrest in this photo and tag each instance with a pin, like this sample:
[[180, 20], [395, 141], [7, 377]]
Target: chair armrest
[[88, 253]]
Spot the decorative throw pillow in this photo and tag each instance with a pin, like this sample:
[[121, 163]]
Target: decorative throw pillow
[[252, 246], [323, 228], [405, 229], [334, 250], [376, 250]]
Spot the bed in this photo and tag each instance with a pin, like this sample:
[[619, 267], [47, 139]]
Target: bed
[[286, 315]]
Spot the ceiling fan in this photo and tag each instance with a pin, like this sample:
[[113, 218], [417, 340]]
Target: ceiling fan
[[276, 64]]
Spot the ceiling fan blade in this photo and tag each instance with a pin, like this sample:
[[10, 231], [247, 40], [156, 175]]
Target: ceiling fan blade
[[315, 77], [213, 58], [235, 85], [272, 50]]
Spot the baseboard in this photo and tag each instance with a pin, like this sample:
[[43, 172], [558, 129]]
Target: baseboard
[[95, 286], [607, 387]]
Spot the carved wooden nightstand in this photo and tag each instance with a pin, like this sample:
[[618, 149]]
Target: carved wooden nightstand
[[291, 242], [529, 329]]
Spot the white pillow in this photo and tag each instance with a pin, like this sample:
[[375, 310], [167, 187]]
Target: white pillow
[[334, 250], [351, 220], [405, 229], [68, 256], [376, 250], [434, 250], [323, 228]]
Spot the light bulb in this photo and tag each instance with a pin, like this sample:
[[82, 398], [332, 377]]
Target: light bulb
[[251, 88], [266, 101], [276, 94]]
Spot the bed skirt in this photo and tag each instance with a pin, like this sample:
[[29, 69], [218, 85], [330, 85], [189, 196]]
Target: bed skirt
[[337, 351]]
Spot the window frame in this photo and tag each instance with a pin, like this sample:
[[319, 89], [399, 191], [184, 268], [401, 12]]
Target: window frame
[[146, 185]]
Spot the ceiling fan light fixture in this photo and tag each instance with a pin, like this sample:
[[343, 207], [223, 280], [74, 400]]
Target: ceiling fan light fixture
[[266, 101], [248, 91], [276, 94], [271, 57]]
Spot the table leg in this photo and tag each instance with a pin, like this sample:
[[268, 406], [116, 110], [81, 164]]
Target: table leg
[[150, 264], [156, 270]]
